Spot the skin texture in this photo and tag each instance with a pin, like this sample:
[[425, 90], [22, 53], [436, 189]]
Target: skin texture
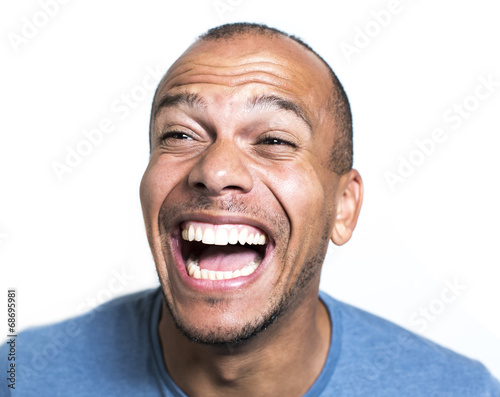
[[223, 160]]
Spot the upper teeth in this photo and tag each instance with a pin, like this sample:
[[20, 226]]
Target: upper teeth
[[222, 234]]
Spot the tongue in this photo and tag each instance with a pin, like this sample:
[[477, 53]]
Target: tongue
[[224, 258]]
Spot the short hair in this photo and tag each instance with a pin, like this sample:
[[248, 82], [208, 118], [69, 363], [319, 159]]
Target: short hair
[[341, 155]]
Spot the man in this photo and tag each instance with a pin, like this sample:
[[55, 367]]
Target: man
[[249, 178]]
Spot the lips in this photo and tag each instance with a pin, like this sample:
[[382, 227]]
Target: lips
[[221, 251]]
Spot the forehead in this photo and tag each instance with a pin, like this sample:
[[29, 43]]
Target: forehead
[[255, 63]]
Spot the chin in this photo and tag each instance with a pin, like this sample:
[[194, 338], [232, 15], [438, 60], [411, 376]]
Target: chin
[[220, 326]]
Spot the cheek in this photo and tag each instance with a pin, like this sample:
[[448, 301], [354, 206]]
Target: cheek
[[301, 193], [157, 182]]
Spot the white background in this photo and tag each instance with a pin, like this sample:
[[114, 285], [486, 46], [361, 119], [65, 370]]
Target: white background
[[62, 243]]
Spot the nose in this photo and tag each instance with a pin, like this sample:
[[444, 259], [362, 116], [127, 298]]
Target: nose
[[220, 170]]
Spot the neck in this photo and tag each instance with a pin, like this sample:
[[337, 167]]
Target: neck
[[285, 359]]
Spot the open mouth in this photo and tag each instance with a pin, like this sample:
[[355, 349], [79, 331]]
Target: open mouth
[[221, 252]]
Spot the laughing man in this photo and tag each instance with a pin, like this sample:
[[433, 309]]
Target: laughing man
[[250, 177]]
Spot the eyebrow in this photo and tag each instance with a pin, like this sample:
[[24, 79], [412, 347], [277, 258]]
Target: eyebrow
[[276, 102], [191, 100], [195, 101]]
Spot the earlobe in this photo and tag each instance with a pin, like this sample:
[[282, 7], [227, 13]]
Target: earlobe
[[350, 198]]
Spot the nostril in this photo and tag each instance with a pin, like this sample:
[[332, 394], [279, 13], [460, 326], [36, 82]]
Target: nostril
[[200, 186]]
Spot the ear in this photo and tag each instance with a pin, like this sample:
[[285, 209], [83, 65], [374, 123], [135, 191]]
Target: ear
[[350, 197]]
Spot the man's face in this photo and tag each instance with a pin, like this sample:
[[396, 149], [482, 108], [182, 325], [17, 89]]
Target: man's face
[[239, 197]]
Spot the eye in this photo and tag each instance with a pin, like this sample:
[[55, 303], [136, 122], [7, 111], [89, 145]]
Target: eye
[[276, 141], [175, 135]]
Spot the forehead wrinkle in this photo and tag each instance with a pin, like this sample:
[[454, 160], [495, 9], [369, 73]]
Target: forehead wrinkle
[[271, 67], [234, 81], [233, 76]]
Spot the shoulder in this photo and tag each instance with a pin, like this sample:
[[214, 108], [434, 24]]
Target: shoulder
[[124, 313], [83, 351], [376, 352]]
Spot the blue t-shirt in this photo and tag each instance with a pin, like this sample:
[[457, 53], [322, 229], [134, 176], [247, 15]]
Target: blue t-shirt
[[115, 350]]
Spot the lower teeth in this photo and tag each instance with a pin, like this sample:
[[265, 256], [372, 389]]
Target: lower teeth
[[196, 272]]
